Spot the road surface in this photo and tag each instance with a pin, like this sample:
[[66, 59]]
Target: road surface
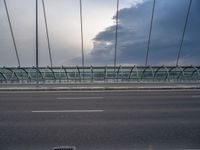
[[100, 120]]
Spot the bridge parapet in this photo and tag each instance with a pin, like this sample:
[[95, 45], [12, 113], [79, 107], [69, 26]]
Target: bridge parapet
[[100, 74]]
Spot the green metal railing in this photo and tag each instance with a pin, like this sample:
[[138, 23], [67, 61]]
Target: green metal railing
[[100, 74]]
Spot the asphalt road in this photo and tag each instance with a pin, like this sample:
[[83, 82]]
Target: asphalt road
[[100, 120]]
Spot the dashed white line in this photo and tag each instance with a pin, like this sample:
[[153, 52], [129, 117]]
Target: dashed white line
[[196, 96], [72, 98], [66, 111]]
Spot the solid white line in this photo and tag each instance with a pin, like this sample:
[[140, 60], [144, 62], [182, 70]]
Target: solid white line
[[66, 111], [196, 96], [68, 98]]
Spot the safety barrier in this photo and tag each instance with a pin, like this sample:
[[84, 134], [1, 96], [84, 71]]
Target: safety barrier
[[100, 74]]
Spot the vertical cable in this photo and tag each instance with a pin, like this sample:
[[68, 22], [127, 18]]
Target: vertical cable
[[150, 31], [47, 33], [81, 21], [183, 35], [116, 36], [12, 34], [36, 44], [82, 48]]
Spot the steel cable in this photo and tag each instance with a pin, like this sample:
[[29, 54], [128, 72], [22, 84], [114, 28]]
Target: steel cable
[[47, 33], [116, 36], [183, 35], [12, 34], [150, 32], [81, 22]]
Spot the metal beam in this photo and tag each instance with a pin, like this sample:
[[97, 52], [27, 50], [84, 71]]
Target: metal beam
[[167, 70], [119, 68], [37, 73], [66, 73], [105, 74], [131, 72], [196, 70], [52, 72], [170, 70], [13, 73], [157, 70], [79, 73], [92, 73], [181, 72], [4, 76]]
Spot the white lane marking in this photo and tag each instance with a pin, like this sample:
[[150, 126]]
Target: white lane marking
[[196, 96], [66, 111], [68, 98]]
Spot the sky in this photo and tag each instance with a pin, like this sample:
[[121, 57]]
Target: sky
[[99, 32]]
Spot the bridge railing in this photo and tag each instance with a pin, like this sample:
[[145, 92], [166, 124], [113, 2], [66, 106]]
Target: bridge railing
[[100, 74]]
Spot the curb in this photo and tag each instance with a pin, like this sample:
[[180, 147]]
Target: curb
[[98, 88]]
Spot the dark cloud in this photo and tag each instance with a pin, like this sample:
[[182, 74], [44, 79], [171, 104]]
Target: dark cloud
[[132, 40], [167, 30]]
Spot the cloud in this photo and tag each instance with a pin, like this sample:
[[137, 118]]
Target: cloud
[[134, 19], [64, 32], [133, 32]]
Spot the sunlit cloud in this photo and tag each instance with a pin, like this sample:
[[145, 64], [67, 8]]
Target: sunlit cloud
[[99, 31]]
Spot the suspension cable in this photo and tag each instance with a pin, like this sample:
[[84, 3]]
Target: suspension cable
[[81, 22], [12, 34], [150, 31], [116, 35], [183, 35], [36, 43], [47, 33]]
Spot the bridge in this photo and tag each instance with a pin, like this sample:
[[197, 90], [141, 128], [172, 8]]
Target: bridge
[[114, 106]]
